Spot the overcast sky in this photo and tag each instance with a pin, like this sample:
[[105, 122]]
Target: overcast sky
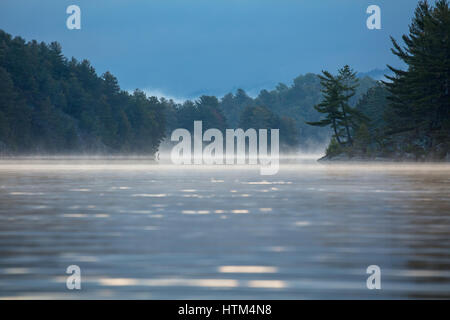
[[183, 48]]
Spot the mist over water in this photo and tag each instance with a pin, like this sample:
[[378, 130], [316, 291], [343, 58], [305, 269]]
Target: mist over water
[[139, 228]]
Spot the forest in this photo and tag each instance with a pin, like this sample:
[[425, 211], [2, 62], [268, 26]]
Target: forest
[[50, 104], [406, 116]]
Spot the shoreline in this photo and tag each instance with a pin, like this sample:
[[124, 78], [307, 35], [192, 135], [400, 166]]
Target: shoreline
[[403, 159]]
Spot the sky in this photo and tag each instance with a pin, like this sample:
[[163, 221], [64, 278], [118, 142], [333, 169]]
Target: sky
[[184, 48]]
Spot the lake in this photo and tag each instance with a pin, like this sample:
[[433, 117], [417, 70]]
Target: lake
[[143, 230]]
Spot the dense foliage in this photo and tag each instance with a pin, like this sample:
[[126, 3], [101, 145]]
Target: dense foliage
[[206, 109], [261, 117], [287, 108], [338, 114], [49, 104], [419, 109], [407, 116], [295, 104]]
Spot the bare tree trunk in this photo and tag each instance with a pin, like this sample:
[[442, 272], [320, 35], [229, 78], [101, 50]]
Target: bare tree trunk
[[347, 129]]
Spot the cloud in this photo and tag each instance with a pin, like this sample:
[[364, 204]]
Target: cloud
[[153, 92]]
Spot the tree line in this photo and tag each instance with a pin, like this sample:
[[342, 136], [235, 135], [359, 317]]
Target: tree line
[[287, 107], [50, 104], [406, 116]]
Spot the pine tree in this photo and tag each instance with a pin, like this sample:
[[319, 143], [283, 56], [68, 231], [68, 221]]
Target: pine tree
[[330, 105], [349, 82], [337, 92], [420, 102]]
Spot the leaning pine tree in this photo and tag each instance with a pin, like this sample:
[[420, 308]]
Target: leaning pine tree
[[420, 101], [330, 106], [339, 115]]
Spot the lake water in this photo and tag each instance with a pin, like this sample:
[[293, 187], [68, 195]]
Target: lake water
[[143, 230]]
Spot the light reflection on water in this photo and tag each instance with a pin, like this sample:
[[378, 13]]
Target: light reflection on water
[[144, 230]]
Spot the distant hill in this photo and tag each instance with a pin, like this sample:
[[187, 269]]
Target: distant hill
[[376, 74], [295, 101]]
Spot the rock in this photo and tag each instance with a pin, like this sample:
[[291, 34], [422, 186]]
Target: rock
[[323, 159], [339, 157]]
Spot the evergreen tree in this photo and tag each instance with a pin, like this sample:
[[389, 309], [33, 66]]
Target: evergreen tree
[[330, 105], [210, 113], [260, 117], [349, 82], [337, 92], [232, 106], [420, 102]]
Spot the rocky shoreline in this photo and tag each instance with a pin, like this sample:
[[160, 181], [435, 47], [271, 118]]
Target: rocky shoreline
[[407, 157]]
